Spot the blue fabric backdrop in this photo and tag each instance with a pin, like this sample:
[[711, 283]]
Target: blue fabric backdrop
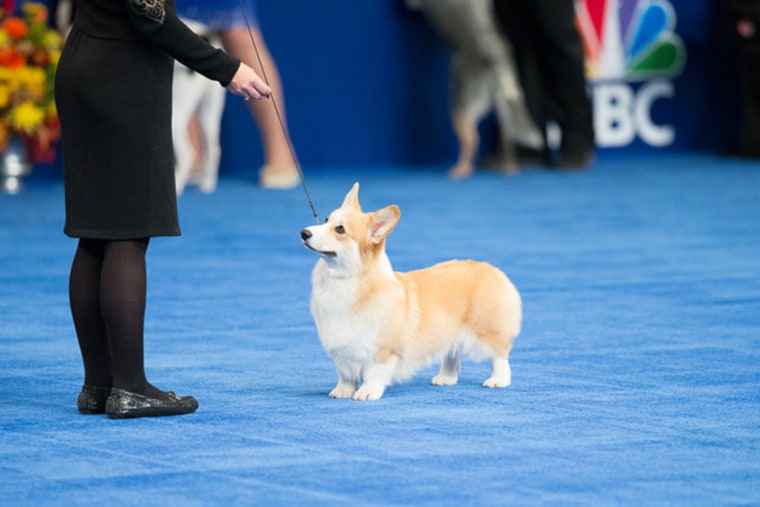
[[366, 83]]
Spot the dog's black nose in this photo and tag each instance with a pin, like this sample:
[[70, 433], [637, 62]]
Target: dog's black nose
[[305, 234]]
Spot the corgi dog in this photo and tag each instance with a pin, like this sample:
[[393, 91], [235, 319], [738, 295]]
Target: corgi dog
[[380, 326]]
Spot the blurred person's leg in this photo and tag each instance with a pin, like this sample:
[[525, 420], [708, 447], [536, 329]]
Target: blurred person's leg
[[518, 22], [566, 78], [279, 169], [549, 53]]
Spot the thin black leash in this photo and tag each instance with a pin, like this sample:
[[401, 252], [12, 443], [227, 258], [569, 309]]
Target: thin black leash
[[279, 116]]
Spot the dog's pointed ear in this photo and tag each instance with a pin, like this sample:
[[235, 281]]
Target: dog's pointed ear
[[382, 223], [352, 197]]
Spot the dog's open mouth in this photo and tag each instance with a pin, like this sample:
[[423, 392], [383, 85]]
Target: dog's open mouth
[[320, 252]]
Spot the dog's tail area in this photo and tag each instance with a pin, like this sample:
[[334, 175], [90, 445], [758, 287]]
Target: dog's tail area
[[513, 112]]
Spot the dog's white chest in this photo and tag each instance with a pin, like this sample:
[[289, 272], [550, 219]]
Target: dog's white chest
[[346, 334]]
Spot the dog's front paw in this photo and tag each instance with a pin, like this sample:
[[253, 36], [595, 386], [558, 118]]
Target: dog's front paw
[[369, 392], [497, 382], [343, 391], [444, 380]]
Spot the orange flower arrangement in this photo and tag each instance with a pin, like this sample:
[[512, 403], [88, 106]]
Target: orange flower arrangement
[[29, 53], [16, 28]]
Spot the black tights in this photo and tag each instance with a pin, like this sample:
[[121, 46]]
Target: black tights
[[107, 292]]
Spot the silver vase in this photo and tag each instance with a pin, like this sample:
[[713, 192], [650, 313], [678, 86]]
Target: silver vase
[[14, 165]]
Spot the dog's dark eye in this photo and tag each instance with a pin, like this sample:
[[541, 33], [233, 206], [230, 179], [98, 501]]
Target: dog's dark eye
[[327, 219], [340, 229]]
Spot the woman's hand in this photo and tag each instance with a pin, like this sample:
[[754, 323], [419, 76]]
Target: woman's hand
[[248, 84]]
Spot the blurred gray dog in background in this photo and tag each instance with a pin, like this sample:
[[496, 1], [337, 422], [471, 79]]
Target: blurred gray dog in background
[[483, 79]]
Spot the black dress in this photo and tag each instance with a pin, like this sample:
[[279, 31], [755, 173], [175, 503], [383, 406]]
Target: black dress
[[113, 91]]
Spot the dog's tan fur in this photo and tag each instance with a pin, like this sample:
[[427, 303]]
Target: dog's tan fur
[[380, 326]]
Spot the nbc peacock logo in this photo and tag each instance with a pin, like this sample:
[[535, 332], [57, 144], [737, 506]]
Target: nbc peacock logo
[[632, 40]]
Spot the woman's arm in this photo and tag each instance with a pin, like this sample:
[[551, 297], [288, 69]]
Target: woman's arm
[[159, 24]]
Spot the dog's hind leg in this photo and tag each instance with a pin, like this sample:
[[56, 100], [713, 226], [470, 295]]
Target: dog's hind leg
[[376, 377], [210, 116], [183, 153], [515, 123], [449, 372], [466, 130], [501, 373], [470, 102], [185, 99]]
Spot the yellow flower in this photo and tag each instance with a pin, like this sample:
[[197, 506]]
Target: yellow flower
[[26, 117], [5, 96], [27, 81], [34, 79], [3, 135], [55, 56], [52, 40], [5, 40], [35, 12]]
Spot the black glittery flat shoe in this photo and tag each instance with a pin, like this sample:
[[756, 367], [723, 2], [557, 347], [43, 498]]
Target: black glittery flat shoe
[[92, 400], [124, 405]]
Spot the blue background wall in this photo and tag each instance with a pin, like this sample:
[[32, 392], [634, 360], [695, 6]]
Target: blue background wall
[[366, 85]]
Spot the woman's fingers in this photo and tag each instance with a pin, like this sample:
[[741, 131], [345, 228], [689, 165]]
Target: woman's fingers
[[248, 84]]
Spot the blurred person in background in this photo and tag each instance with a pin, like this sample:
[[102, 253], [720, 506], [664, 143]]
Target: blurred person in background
[[550, 59], [744, 25], [279, 170], [483, 79]]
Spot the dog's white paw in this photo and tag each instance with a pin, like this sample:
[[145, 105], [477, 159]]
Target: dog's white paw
[[342, 391], [369, 392], [444, 380], [497, 382]]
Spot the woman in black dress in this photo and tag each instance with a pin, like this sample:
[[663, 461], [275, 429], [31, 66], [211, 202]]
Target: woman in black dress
[[113, 93]]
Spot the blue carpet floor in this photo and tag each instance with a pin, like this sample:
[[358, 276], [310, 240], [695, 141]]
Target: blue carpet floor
[[636, 380]]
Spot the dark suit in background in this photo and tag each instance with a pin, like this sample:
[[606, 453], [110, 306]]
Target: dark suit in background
[[549, 54], [744, 27]]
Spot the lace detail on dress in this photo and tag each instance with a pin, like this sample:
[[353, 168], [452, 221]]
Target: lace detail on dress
[[152, 9]]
